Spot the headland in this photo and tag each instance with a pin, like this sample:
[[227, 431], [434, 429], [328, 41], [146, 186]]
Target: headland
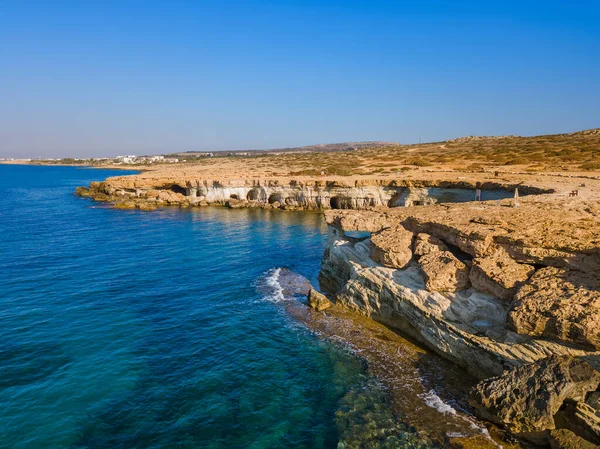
[[485, 250]]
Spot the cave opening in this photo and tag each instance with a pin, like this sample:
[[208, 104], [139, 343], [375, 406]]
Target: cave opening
[[178, 189], [275, 197], [252, 195], [334, 202], [234, 196], [459, 253]]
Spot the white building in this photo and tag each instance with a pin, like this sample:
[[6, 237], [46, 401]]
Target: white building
[[129, 159]]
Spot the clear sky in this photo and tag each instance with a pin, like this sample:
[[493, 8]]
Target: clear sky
[[93, 78]]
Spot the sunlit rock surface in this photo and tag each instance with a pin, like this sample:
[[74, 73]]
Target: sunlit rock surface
[[560, 304], [468, 326], [526, 399]]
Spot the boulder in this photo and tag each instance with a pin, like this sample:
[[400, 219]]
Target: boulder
[[392, 247], [499, 275], [317, 301], [559, 304], [425, 244], [565, 439], [580, 418], [525, 399], [444, 272]]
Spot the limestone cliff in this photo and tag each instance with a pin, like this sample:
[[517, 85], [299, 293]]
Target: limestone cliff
[[291, 193], [430, 296]]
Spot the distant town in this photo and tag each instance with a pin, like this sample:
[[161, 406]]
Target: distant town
[[191, 156], [130, 159]]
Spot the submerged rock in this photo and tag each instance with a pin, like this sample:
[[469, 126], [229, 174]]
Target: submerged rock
[[444, 272], [392, 247], [292, 284], [146, 206], [560, 304], [125, 205], [317, 301], [525, 399]]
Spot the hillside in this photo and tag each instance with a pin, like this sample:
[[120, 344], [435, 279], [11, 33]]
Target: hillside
[[321, 147]]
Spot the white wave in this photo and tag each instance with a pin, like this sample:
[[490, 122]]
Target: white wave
[[456, 435], [434, 401], [272, 290]]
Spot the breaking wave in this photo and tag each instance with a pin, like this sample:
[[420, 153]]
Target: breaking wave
[[270, 287], [431, 399], [281, 284]]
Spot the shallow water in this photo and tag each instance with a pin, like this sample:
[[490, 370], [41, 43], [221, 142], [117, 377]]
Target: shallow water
[[129, 329]]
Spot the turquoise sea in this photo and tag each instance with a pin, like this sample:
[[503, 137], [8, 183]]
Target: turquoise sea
[[129, 329]]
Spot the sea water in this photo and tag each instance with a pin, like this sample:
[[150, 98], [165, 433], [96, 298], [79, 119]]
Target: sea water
[[131, 329]]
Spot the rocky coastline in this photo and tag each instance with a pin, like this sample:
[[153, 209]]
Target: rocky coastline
[[511, 294], [148, 192], [508, 290]]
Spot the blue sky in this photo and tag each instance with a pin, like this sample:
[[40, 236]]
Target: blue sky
[[111, 77]]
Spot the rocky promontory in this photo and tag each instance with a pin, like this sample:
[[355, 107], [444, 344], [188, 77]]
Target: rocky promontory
[[507, 291], [159, 188]]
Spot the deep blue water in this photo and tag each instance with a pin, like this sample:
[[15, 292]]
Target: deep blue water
[[129, 329]]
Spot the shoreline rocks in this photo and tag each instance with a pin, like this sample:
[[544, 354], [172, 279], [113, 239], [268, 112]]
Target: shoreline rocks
[[526, 399], [287, 193], [317, 301], [468, 327], [463, 310]]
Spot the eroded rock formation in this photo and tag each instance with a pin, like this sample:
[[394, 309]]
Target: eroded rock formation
[[498, 296], [444, 272], [499, 275], [559, 304], [392, 247], [287, 193], [526, 399], [426, 244], [489, 286]]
